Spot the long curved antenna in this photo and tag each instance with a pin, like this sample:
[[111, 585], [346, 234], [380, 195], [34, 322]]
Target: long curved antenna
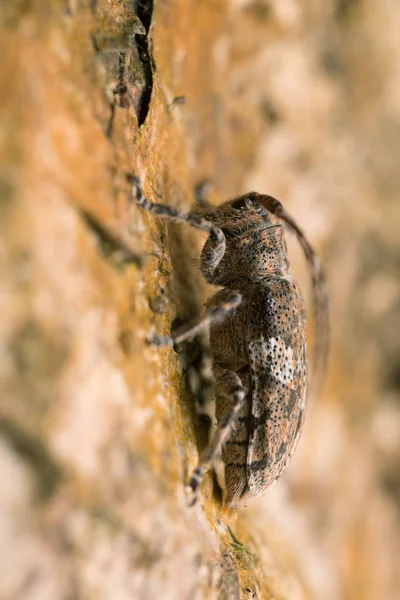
[[320, 295]]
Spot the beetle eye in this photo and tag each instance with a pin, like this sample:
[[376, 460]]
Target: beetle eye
[[247, 202], [252, 201], [240, 204], [252, 196]]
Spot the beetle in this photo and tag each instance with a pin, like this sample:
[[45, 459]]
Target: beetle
[[257, 326]]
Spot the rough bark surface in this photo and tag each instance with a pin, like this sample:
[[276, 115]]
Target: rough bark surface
[[97, 429]]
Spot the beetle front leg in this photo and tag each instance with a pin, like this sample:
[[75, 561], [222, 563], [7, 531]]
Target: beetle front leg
[[216, 243]]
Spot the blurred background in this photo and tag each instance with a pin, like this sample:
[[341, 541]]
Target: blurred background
[[299, 99], [327, 77]]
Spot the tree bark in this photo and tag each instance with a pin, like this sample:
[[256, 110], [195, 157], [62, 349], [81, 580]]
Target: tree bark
[[98, 433]]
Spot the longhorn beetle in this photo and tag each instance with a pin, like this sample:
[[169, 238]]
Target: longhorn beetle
[[257, 338]]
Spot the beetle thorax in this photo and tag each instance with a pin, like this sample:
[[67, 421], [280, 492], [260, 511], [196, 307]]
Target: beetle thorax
[[252, 256]]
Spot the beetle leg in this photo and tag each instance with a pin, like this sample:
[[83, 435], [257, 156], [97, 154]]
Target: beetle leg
[[231, 386], [216, 242], [230, 301]]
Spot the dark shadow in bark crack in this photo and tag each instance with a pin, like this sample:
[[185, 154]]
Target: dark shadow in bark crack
[[36, 455], [123, 46], [144, 10], [111, 243]]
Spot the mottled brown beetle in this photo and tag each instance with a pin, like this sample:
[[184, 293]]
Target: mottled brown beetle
[[257, 337]]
